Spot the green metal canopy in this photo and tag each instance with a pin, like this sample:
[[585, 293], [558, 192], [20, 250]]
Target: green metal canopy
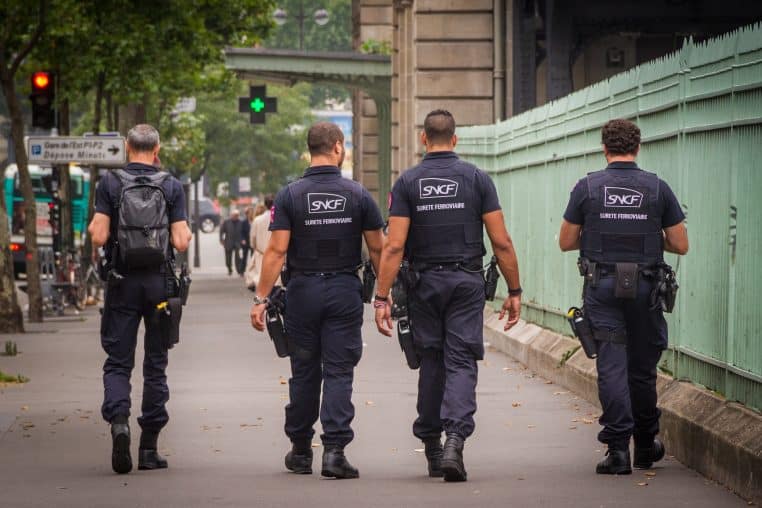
[[369, 73]]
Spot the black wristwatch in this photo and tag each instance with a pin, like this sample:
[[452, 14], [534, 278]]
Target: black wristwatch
[[515, 292]]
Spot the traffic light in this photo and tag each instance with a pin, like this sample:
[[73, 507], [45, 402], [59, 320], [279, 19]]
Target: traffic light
[[42, 97], [257, 104], [54, 214]]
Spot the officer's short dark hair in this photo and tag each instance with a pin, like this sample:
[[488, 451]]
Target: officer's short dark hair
[[620, 137], [439, 126], [269, 200], [322, 137], [143, 138]]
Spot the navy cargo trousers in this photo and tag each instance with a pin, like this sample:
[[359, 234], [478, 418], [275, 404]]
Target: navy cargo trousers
[[127, 302], [323, 320], [627, 372], [446, 318]]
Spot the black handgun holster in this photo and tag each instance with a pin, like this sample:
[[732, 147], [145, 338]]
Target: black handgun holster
[[169, 322]]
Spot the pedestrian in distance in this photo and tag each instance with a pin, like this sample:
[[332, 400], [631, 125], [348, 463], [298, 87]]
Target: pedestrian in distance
[[139, 217], [248, 217], [622, 219], [232, 241], [258, 239], [320, 221], [437, 211]]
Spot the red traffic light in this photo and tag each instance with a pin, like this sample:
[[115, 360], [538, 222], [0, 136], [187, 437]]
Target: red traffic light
[[40, 80]]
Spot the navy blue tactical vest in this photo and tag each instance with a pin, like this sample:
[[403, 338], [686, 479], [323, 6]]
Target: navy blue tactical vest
[[445, 219], [327, 232], [623, 222]]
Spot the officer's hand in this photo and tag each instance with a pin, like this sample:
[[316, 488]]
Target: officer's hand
[[384, 320], [258, 316], [512, 304]]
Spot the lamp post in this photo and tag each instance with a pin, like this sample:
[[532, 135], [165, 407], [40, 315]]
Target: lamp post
[[320, 16]]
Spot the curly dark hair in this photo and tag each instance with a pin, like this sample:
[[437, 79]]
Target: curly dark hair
[[620, 137]]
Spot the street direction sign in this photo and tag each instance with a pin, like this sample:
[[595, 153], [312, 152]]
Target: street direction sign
[[97, 151]]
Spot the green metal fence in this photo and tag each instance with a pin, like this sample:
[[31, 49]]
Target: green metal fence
[[700, 113]]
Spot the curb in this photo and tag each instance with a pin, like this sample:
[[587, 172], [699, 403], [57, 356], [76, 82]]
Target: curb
[[722, 440]]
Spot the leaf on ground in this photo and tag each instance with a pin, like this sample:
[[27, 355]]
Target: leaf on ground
[[507, 369], [642, 484], [548, 382], [516, 404], [394, 449], [560, 393], [531, 426], [25, 408], [370, 403], [587, 421], [572, 427], [650, 474], [316, 445], [575, 420], [419, 450], [282, 380]]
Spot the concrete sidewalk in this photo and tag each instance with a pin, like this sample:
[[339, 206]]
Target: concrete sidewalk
[[534, 444]]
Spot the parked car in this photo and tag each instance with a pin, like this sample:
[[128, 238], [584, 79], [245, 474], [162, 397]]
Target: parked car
[[208, 214]]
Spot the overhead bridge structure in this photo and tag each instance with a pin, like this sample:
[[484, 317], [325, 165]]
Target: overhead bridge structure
[[369, 73]]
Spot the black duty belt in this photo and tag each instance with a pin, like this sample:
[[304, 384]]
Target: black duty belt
[[469, 265], [348, 271]]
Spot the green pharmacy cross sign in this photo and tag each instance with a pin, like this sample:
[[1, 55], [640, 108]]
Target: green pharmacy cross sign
[[257, 104]]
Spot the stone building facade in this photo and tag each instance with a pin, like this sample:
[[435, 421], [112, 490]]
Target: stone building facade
[[487, 60]]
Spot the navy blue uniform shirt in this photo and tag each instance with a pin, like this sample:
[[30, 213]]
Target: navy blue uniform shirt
[[399, 202], [282, 212], [109, 191], [671, 214]]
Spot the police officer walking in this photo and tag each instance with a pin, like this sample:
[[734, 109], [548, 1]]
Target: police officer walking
[[436, 216], [139, 216], [320, 221], [622, 219]]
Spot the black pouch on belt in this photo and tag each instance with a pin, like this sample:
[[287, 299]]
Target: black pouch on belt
[[626, 281], [169, 322]]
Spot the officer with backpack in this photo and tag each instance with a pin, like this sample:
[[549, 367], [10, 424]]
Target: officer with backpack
[[139, 217]]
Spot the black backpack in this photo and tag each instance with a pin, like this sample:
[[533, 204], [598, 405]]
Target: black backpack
[[143, 221]]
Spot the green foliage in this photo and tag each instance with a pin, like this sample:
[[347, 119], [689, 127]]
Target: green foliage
[[374, 47], [184, 145], [270, 154], [149, 52], [18, 378], [336, 35]]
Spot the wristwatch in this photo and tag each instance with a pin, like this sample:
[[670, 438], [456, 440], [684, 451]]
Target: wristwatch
[[515, 292], [260, 301]]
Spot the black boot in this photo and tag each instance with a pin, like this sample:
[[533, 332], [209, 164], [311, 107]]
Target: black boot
[[121, 460], [646, 456], [452, 459], [434, 456], [299, 459], [150, 459], [617, 460], [336, 465]]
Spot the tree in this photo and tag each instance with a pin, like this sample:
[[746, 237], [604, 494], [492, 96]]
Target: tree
[[22, 32], [270, 154]]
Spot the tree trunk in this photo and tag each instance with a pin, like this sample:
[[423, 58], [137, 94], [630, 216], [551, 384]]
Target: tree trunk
[[109, 114], [87, 248], [34, 291], [11, 319], [64, 183]]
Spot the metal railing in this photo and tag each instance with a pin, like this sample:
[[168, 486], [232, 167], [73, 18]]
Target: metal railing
[[700, 113]]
